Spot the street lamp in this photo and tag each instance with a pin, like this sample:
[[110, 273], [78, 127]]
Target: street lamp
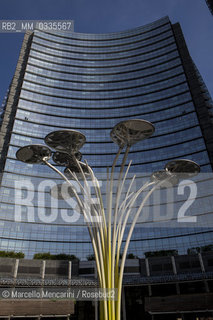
[[107, 229]]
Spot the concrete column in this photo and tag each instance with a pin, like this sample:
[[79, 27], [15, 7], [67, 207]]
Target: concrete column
[[123, 303], [148, 275], [70, 270], [43, 269], [175, 272], [15, 274], [147, 267], [42, 276], [16, 269], [201, 262], [174, 265]]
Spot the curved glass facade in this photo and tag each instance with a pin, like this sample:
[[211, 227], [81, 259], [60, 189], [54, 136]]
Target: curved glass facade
[[90, 82]]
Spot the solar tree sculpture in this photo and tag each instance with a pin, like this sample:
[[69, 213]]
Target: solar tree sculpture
[[107, 230]]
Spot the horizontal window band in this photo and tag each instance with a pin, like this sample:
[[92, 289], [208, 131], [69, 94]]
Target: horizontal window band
[[103, 82], [104, 195], [129, 224], [108, 59], [113, 107], [105, 116], [171, 37], [110, 45], [97, 128], [106, 99], [105, 167], [132, 166], [132, 240], [107, 89], [72, 37], [106, 74], [82, 66], [134, 151], [95, 142]]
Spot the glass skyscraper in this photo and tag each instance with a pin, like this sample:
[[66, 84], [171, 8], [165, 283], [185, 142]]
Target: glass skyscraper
[[90, 82]]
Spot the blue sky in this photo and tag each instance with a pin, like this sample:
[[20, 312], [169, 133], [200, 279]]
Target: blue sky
[[102, 16]]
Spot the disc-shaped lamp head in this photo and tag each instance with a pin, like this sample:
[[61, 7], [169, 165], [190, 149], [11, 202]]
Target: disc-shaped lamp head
[[34, 153], [69, 141], [131, 131], [183, 168]]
